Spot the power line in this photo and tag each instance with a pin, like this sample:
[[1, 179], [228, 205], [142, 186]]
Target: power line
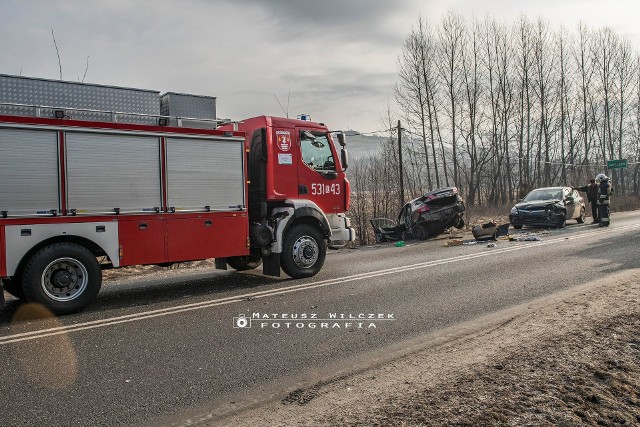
[[373, 132], [570, 164]]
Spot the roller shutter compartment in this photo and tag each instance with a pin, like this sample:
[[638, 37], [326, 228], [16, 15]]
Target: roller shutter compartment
[[108, 172], [28, 172], [205, 172]]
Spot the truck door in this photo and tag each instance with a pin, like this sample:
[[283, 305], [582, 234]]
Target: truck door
[[317, 171]]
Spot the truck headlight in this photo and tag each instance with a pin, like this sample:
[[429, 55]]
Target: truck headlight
[[514, 211]]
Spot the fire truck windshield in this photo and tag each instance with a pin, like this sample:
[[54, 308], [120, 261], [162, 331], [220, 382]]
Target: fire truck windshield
[[316, 151]]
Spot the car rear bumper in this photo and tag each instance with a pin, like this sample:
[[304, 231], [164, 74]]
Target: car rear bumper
[[442, 215]]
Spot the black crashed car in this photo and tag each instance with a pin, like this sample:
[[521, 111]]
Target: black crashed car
[[423, 217], [548, 207]]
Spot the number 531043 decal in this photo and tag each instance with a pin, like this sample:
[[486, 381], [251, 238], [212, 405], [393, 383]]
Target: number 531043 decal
[[321, 189]]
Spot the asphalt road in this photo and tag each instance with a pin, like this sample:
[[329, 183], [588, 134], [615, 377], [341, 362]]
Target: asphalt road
[[164, 349]]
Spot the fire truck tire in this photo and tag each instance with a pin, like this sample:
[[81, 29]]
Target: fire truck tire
[[64, 277], [242, 263], [303, 252]]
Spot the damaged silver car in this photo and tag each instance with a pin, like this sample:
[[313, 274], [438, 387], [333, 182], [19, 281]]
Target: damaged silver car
[[548, 207]]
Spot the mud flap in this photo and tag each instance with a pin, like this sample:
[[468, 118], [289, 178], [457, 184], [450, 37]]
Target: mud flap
[[221, 263], [271, 265]]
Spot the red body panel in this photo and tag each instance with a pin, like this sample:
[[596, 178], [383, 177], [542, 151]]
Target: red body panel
[[63, 176], [282, 179], [142, 241], [3, 258], [207, 236]]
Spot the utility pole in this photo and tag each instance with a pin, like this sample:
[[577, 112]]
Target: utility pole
[[400, 161]]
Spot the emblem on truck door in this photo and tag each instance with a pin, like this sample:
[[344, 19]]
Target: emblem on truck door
[[283, 140]]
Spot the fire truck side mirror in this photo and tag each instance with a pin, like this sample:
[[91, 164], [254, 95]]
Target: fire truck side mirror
[[344, 159], [342, 139]]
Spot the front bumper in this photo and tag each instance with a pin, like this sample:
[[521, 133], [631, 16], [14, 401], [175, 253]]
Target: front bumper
[[537, 218], [341, 229]]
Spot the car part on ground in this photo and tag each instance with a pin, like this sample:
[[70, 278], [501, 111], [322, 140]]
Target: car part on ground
[[422, 218], [489, 231], [548, 207]]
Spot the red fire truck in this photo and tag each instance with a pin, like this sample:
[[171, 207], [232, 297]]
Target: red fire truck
[[84, 189]]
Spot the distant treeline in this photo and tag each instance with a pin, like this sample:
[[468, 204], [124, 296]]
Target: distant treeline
[[497, 109]]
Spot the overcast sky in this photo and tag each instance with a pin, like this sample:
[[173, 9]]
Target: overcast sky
[[336, 57]]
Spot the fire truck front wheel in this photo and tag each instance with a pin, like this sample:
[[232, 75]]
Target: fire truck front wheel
[[64, 277], [303, 252]]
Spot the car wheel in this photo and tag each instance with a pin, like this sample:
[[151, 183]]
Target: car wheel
[[581, 218], [420, 232], [517, 226], [562, 222]]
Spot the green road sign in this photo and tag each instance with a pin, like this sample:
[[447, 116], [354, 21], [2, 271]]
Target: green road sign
[[616, 164]]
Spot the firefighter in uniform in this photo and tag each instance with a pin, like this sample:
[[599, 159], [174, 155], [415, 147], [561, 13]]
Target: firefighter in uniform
[[604, 195], [592, 197]]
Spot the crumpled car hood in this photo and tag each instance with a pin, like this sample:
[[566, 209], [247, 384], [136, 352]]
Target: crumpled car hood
[[539, 204]]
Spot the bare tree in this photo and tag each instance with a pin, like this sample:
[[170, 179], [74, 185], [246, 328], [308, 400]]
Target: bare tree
[[583, 58], [451, 40], [411, 91], [623, 81]]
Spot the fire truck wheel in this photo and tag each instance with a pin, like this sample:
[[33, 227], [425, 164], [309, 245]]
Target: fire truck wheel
[[242, 263], [303, 251], [64, 277]]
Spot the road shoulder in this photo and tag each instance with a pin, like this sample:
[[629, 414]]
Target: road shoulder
[[572, 357]]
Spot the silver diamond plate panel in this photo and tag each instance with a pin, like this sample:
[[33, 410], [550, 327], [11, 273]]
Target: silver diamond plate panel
[[191, 106], [57, 93]]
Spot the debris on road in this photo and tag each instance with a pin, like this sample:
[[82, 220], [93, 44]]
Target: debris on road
[[525, 239], [489, 231]]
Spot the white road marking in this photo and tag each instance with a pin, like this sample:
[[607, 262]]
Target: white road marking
[[9, 339]]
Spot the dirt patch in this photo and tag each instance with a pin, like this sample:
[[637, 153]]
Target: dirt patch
[[569, 359], [150, 270]]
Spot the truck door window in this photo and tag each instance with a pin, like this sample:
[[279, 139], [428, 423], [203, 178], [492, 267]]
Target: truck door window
[[316, 152]]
